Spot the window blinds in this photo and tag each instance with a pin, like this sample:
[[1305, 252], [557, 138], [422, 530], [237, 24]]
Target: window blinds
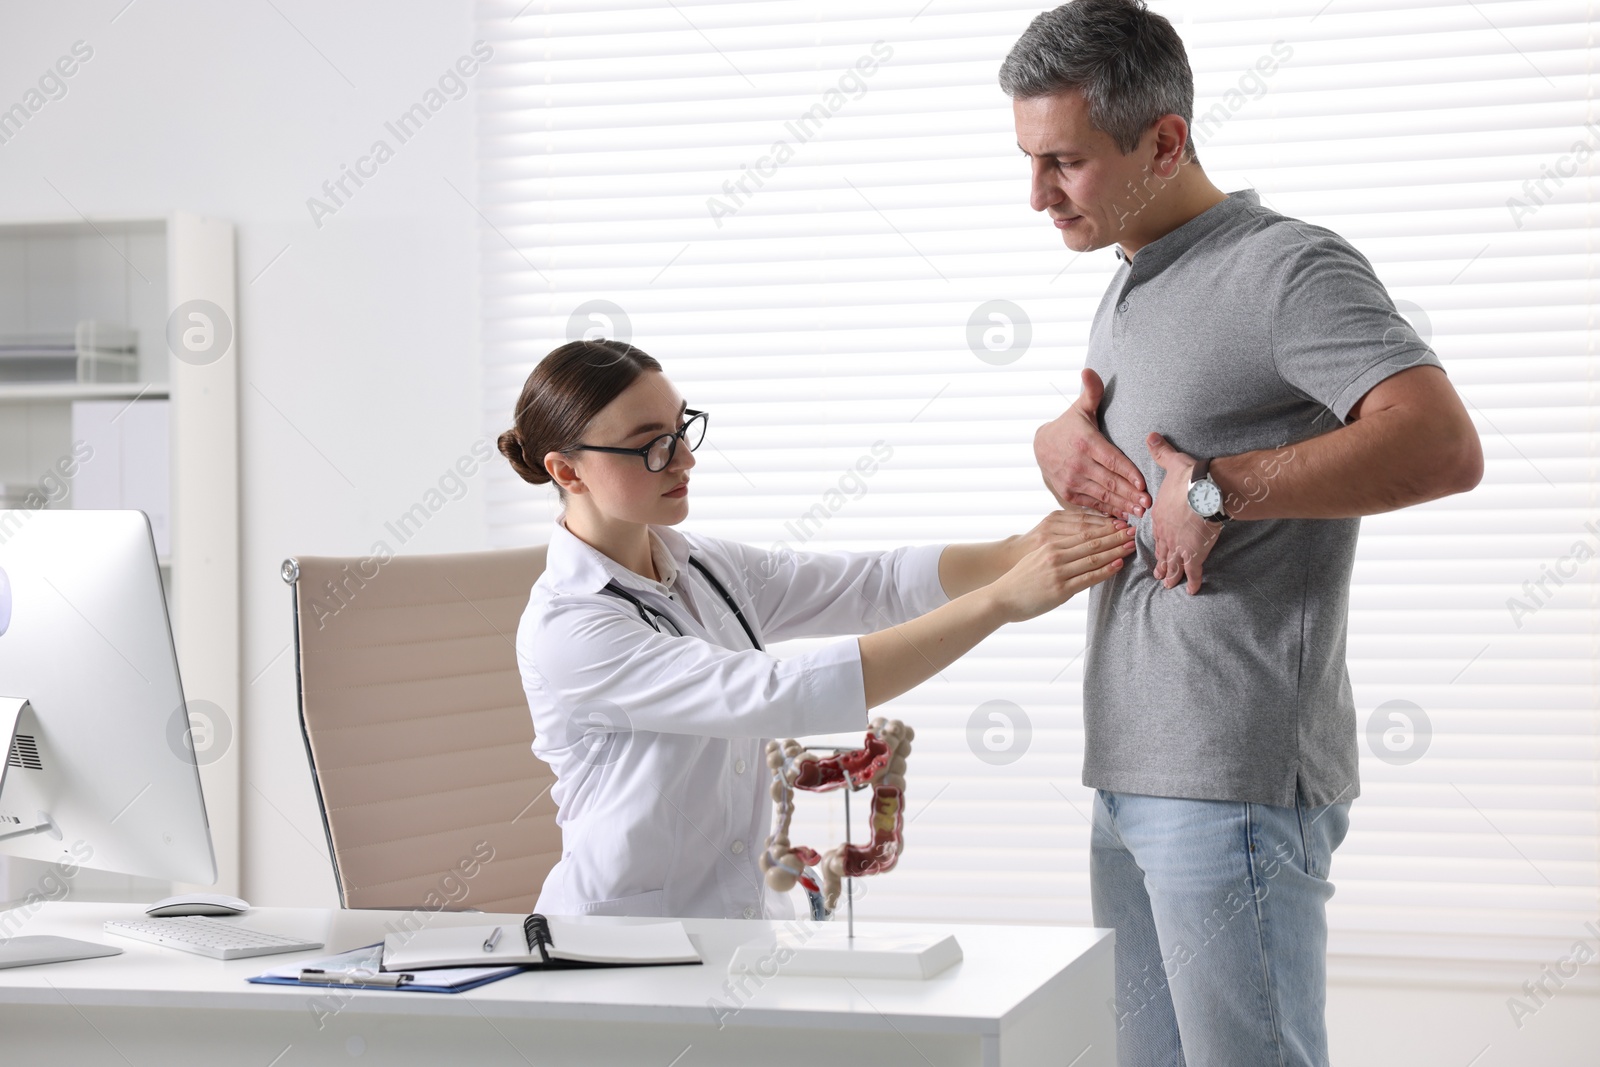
[[815, 215]]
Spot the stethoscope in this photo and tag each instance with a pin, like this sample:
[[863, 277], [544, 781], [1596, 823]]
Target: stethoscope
[[645, 612]]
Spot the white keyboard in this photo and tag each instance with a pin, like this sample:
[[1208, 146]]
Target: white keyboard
[[207, 936]]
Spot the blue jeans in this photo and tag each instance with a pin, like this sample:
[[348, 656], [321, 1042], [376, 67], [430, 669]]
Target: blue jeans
[[1219, 908]]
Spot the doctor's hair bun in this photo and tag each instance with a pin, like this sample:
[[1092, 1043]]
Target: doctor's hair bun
[[511, 447], [568, 388]]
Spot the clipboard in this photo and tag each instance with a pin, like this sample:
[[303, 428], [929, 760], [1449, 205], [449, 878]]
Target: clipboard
[[359, 969]]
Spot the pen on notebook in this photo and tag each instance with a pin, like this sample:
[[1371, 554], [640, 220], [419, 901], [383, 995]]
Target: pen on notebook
[[492, 940]]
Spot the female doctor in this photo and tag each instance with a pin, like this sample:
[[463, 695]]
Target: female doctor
[[643, 649]]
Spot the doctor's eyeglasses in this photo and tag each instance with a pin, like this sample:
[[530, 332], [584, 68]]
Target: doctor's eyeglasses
[[659, 452]]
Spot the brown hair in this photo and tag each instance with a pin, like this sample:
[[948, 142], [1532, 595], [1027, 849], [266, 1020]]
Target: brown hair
[[568, 388]]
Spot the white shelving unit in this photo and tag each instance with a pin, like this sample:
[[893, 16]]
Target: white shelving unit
[[91, 353], [28, 392], [97, 296]]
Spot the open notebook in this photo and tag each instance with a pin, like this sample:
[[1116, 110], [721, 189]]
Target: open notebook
[[541, 942]]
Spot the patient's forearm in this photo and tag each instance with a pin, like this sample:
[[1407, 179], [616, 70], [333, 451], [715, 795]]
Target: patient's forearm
[[963, 568], [895, 660], [1409, 440], [1386, 461]]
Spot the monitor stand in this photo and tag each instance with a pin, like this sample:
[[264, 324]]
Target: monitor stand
[[39, 948], [44, 948], [11, 709]]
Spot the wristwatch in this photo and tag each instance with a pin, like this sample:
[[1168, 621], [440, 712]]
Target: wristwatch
[[1205, 496]]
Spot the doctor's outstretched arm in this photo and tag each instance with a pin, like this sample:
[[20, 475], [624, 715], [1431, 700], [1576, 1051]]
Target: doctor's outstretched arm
[[897, 659]]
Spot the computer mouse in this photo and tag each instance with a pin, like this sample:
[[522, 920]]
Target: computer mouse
[[197, 904]]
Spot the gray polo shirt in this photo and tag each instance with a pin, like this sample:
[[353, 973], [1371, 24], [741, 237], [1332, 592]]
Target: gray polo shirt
[[1242, 329]]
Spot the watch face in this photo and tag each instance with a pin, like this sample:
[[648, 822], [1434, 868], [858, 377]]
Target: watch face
[[1205, 498]]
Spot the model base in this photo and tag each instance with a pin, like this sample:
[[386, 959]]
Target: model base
[[830, 952]]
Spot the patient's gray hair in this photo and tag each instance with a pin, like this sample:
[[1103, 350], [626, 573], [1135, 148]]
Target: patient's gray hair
[[1128, 62]]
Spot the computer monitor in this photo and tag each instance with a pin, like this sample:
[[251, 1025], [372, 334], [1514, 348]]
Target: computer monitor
[[100, 769]]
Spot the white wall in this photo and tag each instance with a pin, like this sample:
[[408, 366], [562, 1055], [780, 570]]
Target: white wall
[[359, 381]]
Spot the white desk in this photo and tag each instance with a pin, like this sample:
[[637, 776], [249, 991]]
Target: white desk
[[1023, 995]]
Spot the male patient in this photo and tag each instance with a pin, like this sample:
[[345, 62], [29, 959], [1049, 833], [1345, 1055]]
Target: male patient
[[1251, 371]]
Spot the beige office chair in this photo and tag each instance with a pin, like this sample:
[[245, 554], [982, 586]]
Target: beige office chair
[[417, 728]]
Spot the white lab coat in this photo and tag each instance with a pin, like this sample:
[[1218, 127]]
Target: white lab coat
[[658, 741]]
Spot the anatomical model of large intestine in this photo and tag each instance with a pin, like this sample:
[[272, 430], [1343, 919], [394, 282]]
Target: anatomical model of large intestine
[[880, 763]]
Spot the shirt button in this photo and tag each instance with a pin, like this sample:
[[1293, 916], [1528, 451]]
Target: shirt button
[[738, 847], [1123, 307], [749, 912], [738, 766]]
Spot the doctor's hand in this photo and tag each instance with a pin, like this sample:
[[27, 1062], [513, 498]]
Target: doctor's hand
[[1071, 524], [1051, 574], [1080, 466], [1183, 539]]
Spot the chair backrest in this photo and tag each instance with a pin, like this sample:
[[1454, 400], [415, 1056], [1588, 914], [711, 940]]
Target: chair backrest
[[418, 731]]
